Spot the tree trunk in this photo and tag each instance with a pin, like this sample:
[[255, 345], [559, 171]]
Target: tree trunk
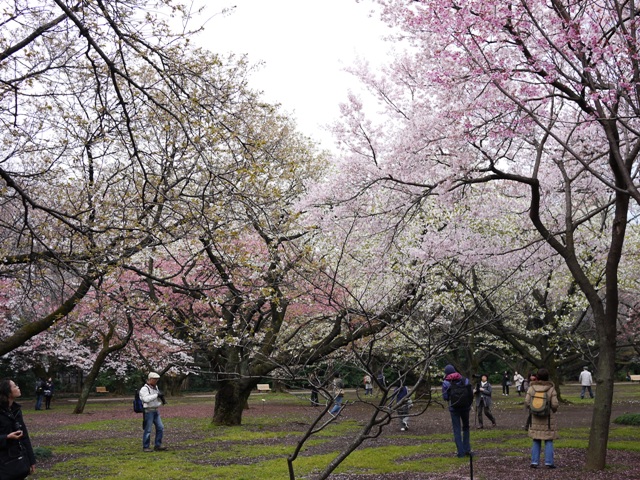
[[231, 399], [104, 352], [173, 385], [606, 320], [89, 381], [82, 400], [600, 420]]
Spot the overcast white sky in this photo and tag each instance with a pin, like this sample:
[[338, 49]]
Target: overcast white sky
[[305, 46]]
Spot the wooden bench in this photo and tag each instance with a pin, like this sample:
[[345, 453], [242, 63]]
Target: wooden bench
[[101, 390], [634, 378], [263, 387]]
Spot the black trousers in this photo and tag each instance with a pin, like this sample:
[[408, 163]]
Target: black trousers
[[487, 412]]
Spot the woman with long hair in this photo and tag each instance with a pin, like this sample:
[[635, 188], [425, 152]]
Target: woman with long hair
[[14, 437]]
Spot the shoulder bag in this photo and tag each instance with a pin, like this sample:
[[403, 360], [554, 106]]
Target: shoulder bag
[[16, 467]]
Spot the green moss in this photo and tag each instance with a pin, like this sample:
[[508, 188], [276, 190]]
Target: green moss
[[199, 449], [626, 445], [340, 428], [134, 467], [104, 426], [242, 435], [108, 446]]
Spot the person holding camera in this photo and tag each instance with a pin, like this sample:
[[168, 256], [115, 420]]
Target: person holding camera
[[152, 398], [483, 401]]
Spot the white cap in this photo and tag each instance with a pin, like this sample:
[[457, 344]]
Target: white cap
[[153, 375]]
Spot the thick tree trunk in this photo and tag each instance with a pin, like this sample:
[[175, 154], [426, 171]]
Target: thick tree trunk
[[231, 399], [606, 320], [601, 419]]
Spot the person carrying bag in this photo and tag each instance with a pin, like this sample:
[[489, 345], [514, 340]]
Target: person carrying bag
[[17, 460]]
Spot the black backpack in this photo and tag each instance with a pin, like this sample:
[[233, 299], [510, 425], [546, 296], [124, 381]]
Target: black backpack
[[460, 394], [138, 406]]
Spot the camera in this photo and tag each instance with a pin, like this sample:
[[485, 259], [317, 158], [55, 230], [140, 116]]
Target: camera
[[161, 397]]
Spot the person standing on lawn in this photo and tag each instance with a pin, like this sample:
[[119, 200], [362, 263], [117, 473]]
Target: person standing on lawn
[[368, 385], [338, 395], [48, 393], [586, 380], [458, 392], [506, 382], [39, 393], [518, 380], [543, 427], [483, 401], [152, 398]]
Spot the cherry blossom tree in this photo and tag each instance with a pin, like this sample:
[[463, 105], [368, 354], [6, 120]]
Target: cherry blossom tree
[[100, 104], [537, 97], [112, 329]]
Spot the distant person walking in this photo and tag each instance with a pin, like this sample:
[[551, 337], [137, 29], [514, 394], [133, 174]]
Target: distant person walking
[[518, 380], [542, 427], [403, 410], [586, 380], [483, 401]]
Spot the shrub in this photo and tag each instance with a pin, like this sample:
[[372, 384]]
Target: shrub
[[42, 452], [628, 419]]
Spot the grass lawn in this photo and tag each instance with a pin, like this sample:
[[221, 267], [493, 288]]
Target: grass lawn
[[105, 442]]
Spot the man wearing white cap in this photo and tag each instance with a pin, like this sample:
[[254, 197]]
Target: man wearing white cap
[[152, 398]]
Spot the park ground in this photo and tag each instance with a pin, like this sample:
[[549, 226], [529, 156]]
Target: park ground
[[105, 441]]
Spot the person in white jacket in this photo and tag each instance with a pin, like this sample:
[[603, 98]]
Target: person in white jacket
[[585, 380], [152, 399], [518, 380]]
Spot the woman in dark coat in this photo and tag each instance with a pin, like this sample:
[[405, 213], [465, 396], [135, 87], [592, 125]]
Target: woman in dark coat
[[506, 380], [14, 436]]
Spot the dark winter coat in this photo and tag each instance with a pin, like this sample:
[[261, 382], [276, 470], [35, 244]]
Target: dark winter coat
[[543, 428], [11, 448], [485, 396], [397, 397], [446, 386]]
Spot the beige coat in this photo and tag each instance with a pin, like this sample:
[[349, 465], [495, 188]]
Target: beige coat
[[540, 429]]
